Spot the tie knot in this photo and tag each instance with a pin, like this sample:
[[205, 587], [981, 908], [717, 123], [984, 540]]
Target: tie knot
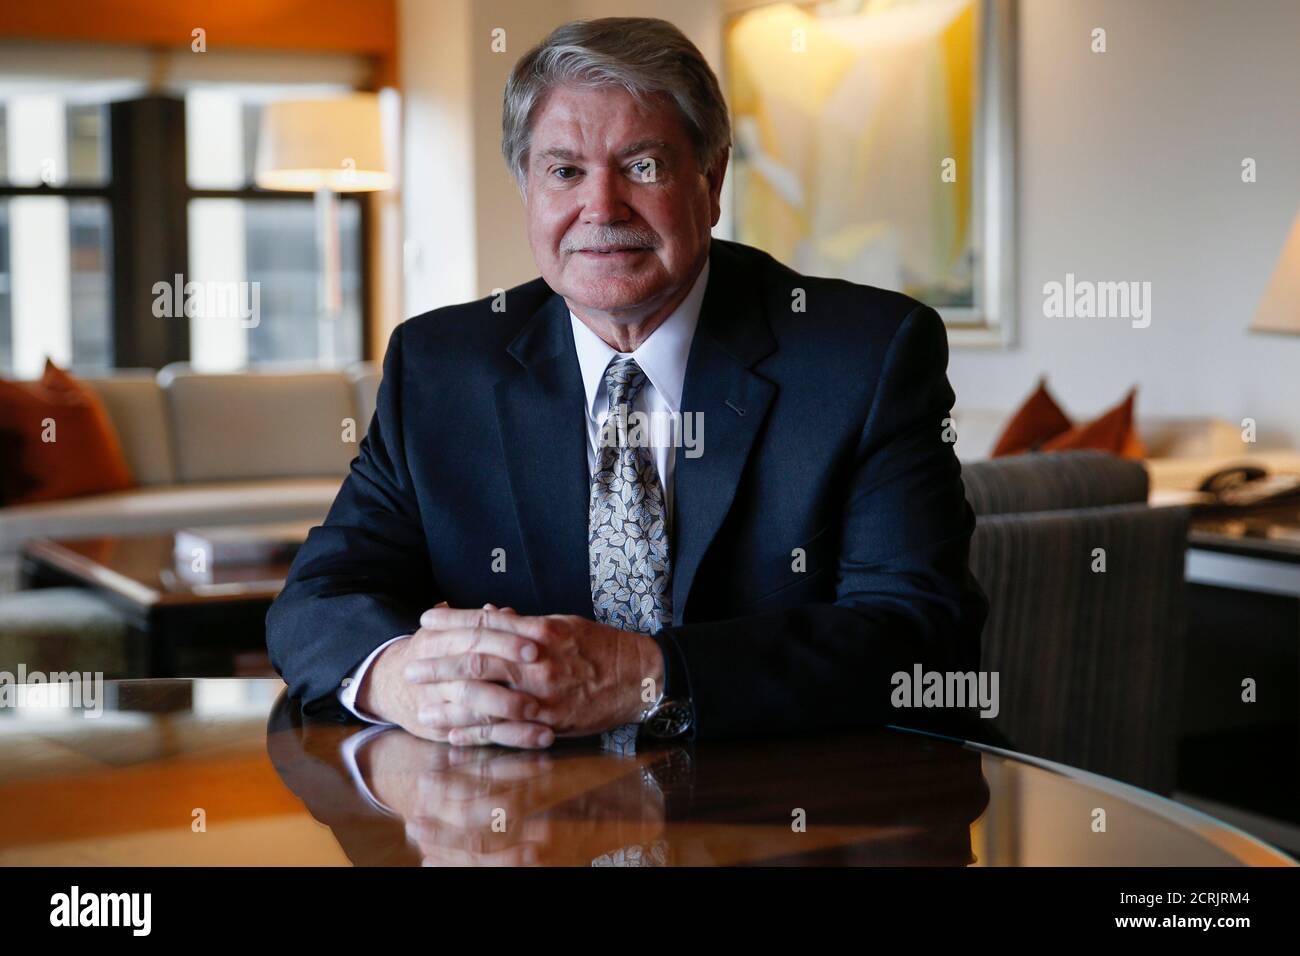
[[623, 379]]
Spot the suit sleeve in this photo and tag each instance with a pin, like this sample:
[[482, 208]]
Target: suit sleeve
[[363, 577], [904, 594]]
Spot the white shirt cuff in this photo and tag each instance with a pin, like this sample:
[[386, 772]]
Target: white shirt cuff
[[350, 748], [347, 693]]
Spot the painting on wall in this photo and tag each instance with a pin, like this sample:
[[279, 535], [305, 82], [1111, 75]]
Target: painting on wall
[[874, 142]]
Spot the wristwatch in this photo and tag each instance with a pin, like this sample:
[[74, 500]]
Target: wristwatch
[[666, 719], [671, 716]]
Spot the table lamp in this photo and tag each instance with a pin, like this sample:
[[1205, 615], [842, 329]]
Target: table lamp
[[327, 147], [1279, 309]]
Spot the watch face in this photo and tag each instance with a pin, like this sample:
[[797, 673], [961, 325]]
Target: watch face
[[670, 719]]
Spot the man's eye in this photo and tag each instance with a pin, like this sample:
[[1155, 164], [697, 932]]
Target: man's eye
[[644, 168], [565, 172]]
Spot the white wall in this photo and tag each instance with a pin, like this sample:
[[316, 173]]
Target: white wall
[[1130, 169], [438, 182], [504, 258]]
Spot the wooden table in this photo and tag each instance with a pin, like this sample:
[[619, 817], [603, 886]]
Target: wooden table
[[225, 772], [195, 628]]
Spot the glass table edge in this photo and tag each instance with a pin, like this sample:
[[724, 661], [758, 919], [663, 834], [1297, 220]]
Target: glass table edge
[[1208, 827]]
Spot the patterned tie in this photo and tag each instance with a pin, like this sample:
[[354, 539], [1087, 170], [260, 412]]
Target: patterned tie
[[627, 526], [628, 556]]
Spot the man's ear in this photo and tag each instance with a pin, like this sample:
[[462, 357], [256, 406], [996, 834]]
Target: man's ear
[[715, 177]]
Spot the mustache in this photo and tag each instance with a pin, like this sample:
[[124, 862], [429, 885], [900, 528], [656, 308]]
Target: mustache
[[602, 237]]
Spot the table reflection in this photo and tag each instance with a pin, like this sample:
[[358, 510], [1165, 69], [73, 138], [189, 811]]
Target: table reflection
[[390, 798], [227, 773]]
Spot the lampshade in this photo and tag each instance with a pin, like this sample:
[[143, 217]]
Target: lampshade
[[338, 144], [1279, 309]]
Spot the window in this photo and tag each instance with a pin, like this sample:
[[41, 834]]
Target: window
[[238, 234], [82, 245], [55, 232]]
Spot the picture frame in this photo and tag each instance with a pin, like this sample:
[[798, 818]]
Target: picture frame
[[975, 295]]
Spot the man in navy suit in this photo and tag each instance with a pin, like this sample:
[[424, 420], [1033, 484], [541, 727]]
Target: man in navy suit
[[669, 489]]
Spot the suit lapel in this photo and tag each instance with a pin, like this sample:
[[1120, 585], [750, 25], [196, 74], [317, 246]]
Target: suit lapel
[[733, 334], [544, 441]]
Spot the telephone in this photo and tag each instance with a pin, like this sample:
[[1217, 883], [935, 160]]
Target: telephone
[[1246, 485]]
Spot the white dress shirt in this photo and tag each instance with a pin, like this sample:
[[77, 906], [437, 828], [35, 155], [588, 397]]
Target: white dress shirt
[[663, 359]]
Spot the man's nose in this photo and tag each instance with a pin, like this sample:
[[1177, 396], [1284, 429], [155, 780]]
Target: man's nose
[[603, 200]]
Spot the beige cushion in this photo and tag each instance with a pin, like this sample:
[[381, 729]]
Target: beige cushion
[[259, 424], [145, 510], [135, 403]]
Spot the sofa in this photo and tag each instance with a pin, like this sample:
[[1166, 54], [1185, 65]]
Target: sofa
[[1090, 661], [206, 449]]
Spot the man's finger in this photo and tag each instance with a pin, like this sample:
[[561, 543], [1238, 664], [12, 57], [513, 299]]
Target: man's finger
[[443, 718], [476, 666], [505, 734], [481, 697], [448, 642], [444, 618]]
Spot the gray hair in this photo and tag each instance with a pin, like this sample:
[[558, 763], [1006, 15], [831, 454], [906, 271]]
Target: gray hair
[[643, 55]]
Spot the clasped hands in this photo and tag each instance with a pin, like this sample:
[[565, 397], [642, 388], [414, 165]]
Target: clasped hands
[[488, 675]]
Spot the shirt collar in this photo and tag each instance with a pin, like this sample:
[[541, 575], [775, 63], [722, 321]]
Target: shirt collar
[[662, 356]]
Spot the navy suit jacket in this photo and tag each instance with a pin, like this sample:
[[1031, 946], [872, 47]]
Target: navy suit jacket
[[823, 406]]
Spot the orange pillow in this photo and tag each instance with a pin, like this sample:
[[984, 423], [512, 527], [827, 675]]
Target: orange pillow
[[1038, 420], [1112, 432], [84, 457]]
